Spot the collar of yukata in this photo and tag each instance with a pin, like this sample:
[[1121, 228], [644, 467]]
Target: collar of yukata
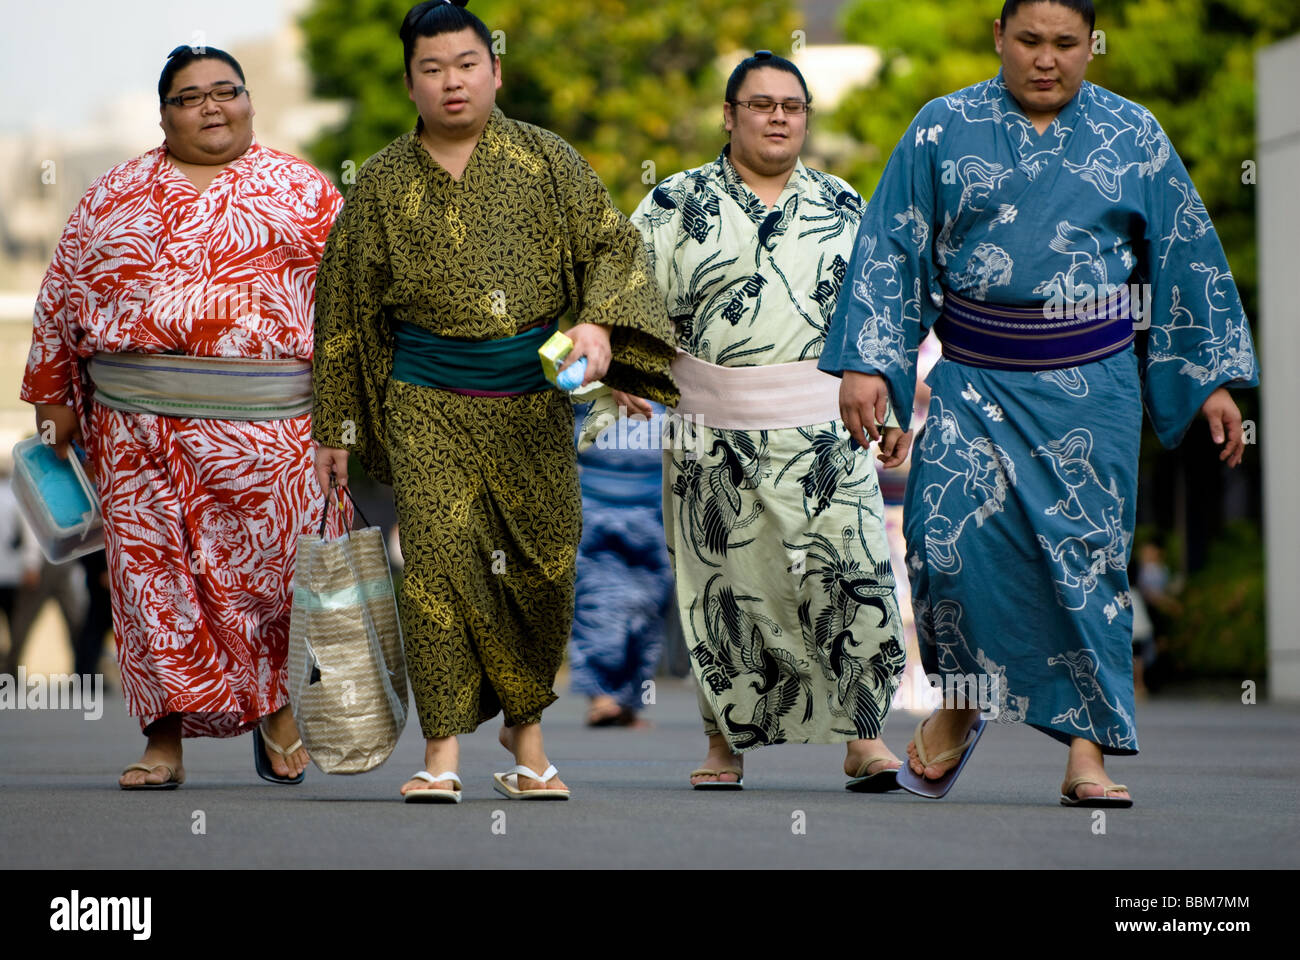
[[739, 191]]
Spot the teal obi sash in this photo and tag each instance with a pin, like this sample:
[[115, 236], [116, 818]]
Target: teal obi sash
[[483, 368]]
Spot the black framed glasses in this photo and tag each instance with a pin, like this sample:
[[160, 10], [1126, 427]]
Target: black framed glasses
[[222, 93], [792, 108]]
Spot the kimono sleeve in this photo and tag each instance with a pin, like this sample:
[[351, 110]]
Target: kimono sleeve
[[53, 369], [660, 227], [1199, 339], [329, 202], [612, 281], [891, 293], [353, 350]]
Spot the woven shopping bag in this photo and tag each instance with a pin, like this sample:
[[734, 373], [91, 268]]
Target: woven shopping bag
[[347, 671]]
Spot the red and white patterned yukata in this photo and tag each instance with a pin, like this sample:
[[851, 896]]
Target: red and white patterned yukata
[[201, 516]]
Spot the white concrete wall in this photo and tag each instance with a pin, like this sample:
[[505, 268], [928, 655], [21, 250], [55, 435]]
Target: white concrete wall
[[1277, 80]]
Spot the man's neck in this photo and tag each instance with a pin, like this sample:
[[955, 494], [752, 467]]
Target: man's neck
[[1041, 121], [452, 154], [767, 187]]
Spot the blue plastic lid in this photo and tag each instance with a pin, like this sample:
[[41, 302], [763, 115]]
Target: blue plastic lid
[[58, 485]]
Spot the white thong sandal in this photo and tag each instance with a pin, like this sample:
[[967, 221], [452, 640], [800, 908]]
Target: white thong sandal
[[429, 794], [507, 784]]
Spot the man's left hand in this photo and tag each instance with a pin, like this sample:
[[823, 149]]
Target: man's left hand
[[1225, 424], [894, 444], [590, 340]]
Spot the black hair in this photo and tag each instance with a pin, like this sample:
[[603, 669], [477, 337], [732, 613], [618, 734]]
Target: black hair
[[183, 56], [760, 60], [434, 17], [1083, 8]]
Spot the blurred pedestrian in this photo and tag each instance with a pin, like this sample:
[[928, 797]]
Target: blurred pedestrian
[[625, 583]]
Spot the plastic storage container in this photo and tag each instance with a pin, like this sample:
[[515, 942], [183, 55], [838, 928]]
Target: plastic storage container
[[58, 500]]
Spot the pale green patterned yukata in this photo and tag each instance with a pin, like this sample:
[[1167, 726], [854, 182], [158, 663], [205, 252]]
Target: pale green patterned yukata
[[777, 536]]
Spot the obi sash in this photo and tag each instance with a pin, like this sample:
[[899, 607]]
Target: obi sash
[[771, 397], [998, 337], [212, 388], [478, 368]]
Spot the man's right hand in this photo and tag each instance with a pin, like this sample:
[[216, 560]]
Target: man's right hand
[[64, 420], [331, 461], [864, 403], [635, 406]]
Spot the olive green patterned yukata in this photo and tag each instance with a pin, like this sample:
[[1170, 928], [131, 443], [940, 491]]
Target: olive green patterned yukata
[[486, 485]]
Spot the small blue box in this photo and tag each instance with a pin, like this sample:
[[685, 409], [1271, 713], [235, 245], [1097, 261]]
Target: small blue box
[[58, 500]]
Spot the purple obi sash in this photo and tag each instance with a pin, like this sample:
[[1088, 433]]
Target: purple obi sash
[[1046, 337]]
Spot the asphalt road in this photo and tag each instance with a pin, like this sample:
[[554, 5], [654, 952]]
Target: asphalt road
[[1215, 786]]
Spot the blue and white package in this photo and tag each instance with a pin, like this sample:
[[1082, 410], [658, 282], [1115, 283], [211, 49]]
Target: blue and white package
[[571, 377]]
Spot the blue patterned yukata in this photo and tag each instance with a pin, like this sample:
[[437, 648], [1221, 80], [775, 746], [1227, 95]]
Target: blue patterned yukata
[[1020, 504]]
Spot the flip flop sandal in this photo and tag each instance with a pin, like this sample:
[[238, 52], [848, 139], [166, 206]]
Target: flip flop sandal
[[507, 784], [738, 784], [882, 781], [430, 795], [171, 783], [934, 789], [262, 743], [1072, 799]]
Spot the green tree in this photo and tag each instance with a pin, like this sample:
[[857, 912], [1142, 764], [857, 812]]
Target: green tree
[[635, 87]]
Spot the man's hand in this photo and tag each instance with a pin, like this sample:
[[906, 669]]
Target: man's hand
[[636, 406], [66, 427], [864, 402], [590, 340], [1225, 422], [331, 461], [894, 447]]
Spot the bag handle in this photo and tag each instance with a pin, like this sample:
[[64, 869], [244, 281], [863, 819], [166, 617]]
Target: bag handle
[[326, 515]]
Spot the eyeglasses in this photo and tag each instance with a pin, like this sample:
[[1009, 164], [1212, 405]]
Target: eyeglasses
[[792, 107], [194, 97]]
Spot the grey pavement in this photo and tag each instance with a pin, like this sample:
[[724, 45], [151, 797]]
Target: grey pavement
[[1215, 787]]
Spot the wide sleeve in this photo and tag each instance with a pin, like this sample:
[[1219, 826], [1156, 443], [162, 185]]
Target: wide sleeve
[[658, 220], [892, 295], [328, 204], [1199, 339], [354, 351], [612, 282], [52, 365]]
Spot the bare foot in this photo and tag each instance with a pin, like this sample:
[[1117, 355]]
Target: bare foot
[[943, 730], [718, 758], [440, 755], [280, 728], [605, 711], [525, 742], [1085, 760], [862, 753], [164, 748], [158, 761]]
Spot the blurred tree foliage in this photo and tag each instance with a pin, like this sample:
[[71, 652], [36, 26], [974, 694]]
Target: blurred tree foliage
[[1191, 62], [1221, 631], [626, 83]]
